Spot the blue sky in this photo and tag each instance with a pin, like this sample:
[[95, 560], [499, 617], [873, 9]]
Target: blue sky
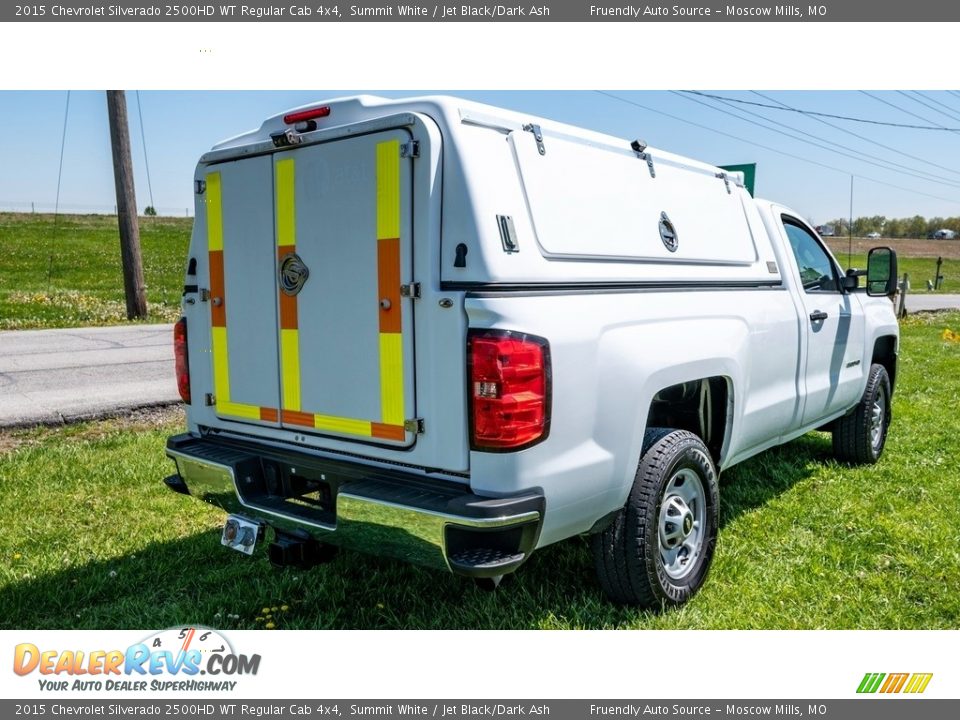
[[181, 125]]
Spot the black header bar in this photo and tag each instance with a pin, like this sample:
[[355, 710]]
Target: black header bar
[[314, 11]]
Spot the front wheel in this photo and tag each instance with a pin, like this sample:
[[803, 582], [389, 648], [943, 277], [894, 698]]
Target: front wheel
[[658, 548], [859, 438]]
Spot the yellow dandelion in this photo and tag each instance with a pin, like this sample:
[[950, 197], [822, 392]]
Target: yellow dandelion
[[265, 611], [274, 609], [284, 607], [270, 626], [258, 619]]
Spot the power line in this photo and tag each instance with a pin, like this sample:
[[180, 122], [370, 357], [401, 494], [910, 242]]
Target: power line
[[146, 162], [771, 149], [909, 96], [56, 205], [899, 151], [888, 166], [828, 115], [903, 110], [934, 100], [63, 145]]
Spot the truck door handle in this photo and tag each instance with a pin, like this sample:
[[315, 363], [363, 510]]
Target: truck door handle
[[817, 316]]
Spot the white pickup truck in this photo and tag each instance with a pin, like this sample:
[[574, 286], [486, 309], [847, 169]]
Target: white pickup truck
[[454, 334]]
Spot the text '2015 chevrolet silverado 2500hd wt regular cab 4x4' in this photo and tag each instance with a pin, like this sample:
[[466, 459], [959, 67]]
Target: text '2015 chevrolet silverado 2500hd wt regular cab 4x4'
[[455, 334]]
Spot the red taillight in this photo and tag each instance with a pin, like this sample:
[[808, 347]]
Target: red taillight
[[181, 360], [304, 115], [509, 389]]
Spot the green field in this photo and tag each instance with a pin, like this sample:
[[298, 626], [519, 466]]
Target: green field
[[919, 269], [92, 539], [65, 271]]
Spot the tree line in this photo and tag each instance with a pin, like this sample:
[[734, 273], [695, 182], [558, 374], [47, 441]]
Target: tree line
[[912, 227]]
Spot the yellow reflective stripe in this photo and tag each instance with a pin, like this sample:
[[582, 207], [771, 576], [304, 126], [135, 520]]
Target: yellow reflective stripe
[[221, 372], [249, 412], [287, 236], [391, 378], [924, 681], [388, 189], [286, 203], [388, 227], [290, 355], [343, 425], [214, 213]]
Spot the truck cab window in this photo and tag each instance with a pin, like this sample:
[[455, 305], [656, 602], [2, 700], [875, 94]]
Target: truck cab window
[[817, 271]]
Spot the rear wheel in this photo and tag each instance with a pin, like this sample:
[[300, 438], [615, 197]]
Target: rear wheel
[[658, 548], [859, 437]]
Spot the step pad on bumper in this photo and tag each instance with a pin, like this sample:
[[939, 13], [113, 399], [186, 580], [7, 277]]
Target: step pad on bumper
[[480, 559]]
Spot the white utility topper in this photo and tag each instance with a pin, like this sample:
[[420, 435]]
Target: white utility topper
[[455, 334]]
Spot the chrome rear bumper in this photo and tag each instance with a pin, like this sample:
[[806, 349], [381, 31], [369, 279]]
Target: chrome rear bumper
[[427, 522]]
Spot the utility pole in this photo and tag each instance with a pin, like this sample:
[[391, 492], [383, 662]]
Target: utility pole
[[850, 229], [126, 206]]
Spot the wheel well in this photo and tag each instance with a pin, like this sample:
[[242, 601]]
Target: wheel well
[[699, 406], [885, 353]]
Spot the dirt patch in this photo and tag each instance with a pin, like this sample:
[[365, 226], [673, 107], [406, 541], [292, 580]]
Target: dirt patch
[[947, 249], [8, 442], [139, 420], [143, 419]]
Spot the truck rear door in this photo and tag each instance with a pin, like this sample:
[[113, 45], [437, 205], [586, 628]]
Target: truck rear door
[[315, 317]]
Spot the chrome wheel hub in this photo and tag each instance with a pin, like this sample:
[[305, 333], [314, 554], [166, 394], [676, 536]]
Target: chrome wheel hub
[[681, 523]]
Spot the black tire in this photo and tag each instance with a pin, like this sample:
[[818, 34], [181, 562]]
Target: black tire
[[629, 553], [854, 440]]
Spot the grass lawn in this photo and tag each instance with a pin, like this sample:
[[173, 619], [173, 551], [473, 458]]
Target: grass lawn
[[66, 272], [92, 539]]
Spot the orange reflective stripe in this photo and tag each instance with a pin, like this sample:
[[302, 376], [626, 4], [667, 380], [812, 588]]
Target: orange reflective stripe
[[388, 284]]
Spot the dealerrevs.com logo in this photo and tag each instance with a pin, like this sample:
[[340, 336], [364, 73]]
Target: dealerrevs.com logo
[[889, 683], [172, 659]]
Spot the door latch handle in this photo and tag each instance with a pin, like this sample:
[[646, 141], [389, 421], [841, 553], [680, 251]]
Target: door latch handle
[[817, 316]]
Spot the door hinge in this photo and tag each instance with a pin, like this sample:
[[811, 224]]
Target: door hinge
[[639, 146], [410, 149], [204, 295], [411, 290], [200, 186], [726, 181], [209, 399], [537, 135], [414, 426]]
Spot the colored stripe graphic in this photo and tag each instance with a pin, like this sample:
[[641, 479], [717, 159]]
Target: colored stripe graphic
[[918, 682], [870, 682], [390, 328], [894, 683], [219, 347]]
